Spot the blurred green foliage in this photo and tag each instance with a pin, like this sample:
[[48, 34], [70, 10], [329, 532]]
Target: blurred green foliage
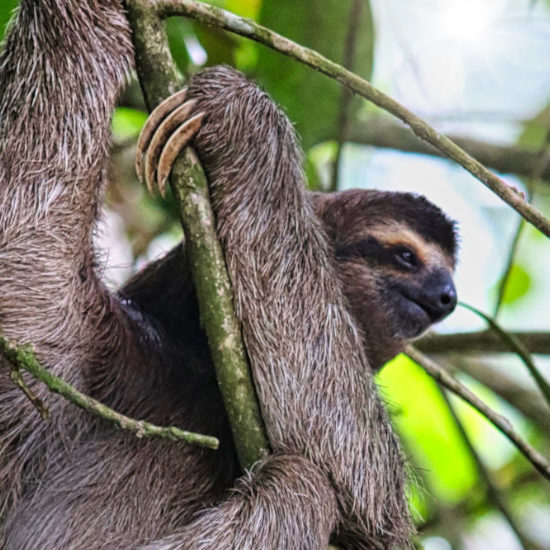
[[178, 30], [428, 429], [517, 284], [127, 123], [6, 10], [312, 100]]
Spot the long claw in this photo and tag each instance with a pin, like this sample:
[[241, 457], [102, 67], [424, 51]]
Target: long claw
[[150, 125], [161, 134], [178, 140]]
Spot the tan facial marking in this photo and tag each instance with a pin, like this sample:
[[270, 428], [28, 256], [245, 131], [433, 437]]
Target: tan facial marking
[[394, 233]]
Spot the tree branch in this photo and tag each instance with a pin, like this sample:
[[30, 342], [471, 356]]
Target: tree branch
[[466, 508], [24, 358], [159, 78], [499, 421], [531, 184], [482, 342], [455, 346], [512, 159], [211, 15], [345, 99], [528, 402], [493, 492], [220, 18], [516, 347]]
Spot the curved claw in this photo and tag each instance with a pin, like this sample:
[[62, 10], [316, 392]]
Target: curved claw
[[161, 134], [178, 140], [151, 124]]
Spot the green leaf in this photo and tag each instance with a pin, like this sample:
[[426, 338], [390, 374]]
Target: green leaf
[[226, 48], [244, 8], [535, 131], [517, 286], [319, 162], [219, 45], [312, 100]]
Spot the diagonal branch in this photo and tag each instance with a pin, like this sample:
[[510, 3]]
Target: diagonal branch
[[493, 492], [532, 183], [24, 358], [499, 421], [217, 17], [518, 348], [528, 402]]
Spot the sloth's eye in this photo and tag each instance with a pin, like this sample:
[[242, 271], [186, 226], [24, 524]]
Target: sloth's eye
[[406, 257]]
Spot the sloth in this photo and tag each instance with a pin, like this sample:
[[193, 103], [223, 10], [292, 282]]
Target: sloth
[[327, 287]]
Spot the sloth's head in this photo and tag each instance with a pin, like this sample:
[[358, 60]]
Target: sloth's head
[[395, 254]]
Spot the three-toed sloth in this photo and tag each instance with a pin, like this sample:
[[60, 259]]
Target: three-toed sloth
[[326, 287]]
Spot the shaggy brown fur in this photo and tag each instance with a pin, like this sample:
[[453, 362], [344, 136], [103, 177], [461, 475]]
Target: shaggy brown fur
[[75, 482]]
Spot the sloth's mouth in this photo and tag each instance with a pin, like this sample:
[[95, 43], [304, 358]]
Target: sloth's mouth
[[416, 318], [433, 315]]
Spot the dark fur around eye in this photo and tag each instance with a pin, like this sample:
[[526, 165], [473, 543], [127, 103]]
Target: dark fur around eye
[[368, 248], [406, 258], [374, 252]]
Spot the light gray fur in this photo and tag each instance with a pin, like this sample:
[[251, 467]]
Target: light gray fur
[[74, 482]]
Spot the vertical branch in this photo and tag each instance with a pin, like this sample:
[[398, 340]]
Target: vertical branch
[[503, 283], [347, 95], [532, 183], [159, 79]]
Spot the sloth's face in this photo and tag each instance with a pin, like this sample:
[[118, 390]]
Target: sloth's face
[[395, 256], [397, 288], [395, 295]]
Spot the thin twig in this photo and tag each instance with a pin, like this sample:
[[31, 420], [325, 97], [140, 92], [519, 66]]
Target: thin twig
[[23, 357], [504, 280], [217, 17], [36, 402], [538, 167], [518, 348], [347, 96], [499, 421], [494, 494]]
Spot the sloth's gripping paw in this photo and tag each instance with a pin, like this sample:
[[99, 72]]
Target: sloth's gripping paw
[[165, 133]]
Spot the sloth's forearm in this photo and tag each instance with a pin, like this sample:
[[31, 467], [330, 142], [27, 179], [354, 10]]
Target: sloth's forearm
[[311, 374]]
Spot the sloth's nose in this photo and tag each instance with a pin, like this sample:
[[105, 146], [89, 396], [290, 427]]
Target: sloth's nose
[[447, 299], [441, 298]]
